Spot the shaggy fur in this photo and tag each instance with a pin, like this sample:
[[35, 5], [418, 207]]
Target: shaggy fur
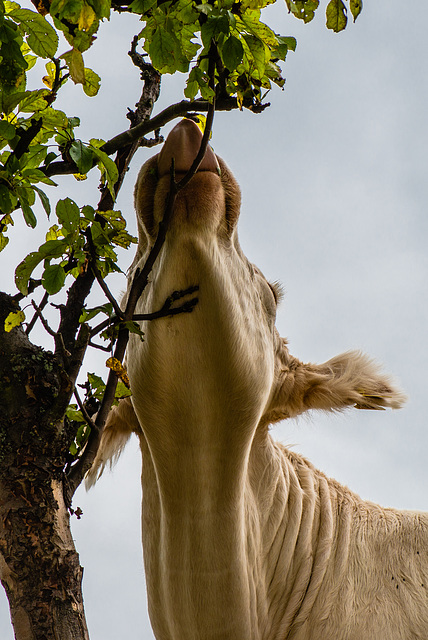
[[242, 539]]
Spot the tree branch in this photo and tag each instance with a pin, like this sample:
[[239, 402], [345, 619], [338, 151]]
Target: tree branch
[[39, 315], [165, 311], [33, 320], [134, 134]]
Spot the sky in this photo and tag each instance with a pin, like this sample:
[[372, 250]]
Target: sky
[[335, 191]]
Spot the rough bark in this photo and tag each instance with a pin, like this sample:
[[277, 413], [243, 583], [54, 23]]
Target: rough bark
[[39, 566]]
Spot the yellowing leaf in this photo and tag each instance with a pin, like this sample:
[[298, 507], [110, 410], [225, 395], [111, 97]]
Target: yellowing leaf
[[356, 7], [92, 82], [14, 320], [201, 121], [86, 18], [74, 60], [336, 16], [117, 367], [49, 79]]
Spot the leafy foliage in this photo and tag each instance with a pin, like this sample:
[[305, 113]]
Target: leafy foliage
[[178, 35], [66, 243], [226, 51]]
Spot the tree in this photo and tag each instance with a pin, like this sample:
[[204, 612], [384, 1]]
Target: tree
[[47, 438]]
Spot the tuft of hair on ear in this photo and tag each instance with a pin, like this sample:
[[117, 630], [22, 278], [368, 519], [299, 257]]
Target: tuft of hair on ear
[[278, 290], [360, 381]]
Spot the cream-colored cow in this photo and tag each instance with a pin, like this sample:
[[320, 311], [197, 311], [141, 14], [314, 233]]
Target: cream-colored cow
[[243, 539]]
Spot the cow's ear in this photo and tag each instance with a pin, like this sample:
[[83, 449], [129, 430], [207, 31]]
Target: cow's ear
[[349, 379], [144, 197], [232, 194]]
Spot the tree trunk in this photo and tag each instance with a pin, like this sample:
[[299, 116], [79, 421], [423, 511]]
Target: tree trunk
[[39, 566]]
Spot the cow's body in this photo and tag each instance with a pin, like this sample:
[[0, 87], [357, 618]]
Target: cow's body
[[242, 539]]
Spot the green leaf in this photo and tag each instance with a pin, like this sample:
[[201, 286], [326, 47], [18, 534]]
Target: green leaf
[[34, 101], [44, 200], [258, 52], [3, 241], [198, 80], [10, 101], [213, 27], [122, 391], [303, 9], [101, 8], [14, 320], [82, 435], [88, 314], [68, 9], [52, 249], [42, 37], [251, 21], [68, 214], [91, 86], [356, 8], [76, 66], [108, 168], [29, 216], [163, 51], [34, 157], [141, 6], [192, 88], [25, 269], [83, 156], [97, 385], [53, 278], [36, 175], [232, 53], [73, 449], [273, 72], [54, 119], [74, 414], [336, 15], [88, 212], [285, 44], [8, 199], [7, 130], [48, 250]]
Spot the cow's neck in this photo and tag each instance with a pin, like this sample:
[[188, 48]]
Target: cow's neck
[[199, 411], [195, 540]]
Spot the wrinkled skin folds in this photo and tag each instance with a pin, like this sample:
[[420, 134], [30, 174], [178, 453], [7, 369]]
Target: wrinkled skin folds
[[243, 539]]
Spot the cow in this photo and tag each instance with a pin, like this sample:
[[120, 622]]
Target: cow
[[244, 539]]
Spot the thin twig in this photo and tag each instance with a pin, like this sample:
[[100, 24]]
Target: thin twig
[[85, 414], [32, 285], [100, 346], [39, 314], [163, 312], [93, 264], [33, 320]]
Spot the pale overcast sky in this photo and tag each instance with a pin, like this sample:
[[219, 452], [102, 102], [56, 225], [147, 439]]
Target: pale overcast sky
[[335, 191]]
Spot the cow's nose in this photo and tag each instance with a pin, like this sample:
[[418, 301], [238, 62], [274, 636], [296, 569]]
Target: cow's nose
[[183, 144]]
